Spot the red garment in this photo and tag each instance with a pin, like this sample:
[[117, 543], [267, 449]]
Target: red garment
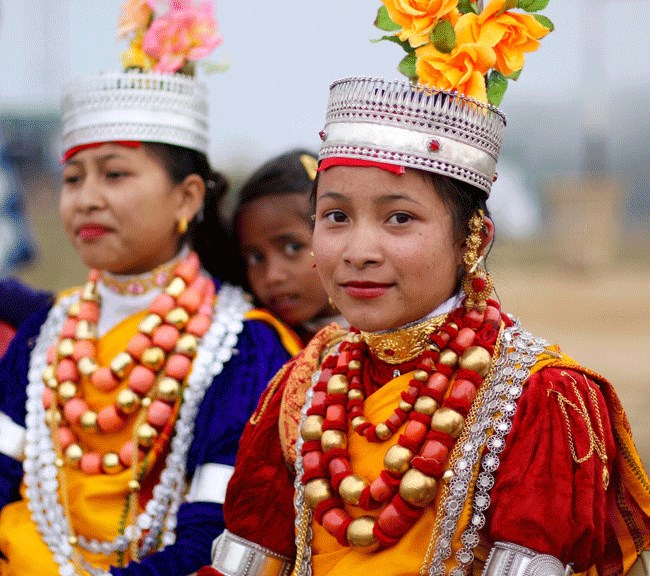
[[545, 497]]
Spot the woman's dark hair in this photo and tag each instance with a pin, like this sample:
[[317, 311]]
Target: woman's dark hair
[[206, 233], [289, 173]]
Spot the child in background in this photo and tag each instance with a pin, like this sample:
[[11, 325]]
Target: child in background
[[272, 223]]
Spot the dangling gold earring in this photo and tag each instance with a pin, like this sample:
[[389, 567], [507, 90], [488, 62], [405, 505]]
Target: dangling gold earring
[[477, 283], [332, 304], [182, 226]]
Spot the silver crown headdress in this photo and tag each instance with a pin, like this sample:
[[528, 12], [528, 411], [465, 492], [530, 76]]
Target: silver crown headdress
[[138, 106], [413, 126]]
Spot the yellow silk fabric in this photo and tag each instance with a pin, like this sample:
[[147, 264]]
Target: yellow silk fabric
[[97, 503], [289, 339]]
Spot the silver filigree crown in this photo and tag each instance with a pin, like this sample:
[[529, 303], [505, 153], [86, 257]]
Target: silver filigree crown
[[137, 106], [413, 126]]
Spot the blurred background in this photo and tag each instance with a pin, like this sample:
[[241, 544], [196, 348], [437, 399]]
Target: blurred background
[[572, 202]]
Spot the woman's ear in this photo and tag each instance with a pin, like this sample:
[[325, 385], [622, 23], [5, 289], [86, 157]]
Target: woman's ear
[[487, 234], [192, 194]]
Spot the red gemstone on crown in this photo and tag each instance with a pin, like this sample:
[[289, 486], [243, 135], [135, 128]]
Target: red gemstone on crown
[[434, 145], [322, 135]]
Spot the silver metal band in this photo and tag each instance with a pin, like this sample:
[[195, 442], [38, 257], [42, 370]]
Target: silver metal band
[[235, 556], [507, 559]]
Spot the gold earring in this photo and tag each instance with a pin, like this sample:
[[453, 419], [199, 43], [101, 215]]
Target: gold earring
[[182, 226], [332, 304], [477, 283], [311, 253]]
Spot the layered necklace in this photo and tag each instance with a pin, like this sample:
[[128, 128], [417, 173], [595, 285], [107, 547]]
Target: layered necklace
[[453, 355], [178, 350]]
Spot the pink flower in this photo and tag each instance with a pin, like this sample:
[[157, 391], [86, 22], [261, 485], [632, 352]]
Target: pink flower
[[185, 33]]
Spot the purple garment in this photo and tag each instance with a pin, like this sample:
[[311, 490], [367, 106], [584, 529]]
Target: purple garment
[[18, 301], [226, 407]]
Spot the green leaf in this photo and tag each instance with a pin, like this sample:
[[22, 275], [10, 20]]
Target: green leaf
[[466, 6], [544, 21], [496, 87], [395, 40], [443, 36], [509, 5], [533, 5], [407, 66], [514, 75], [384, 21]]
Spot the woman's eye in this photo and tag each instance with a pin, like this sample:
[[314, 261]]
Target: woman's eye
[[115, 174], [400, 218], [292, 248], [336, 216], [71, 179]]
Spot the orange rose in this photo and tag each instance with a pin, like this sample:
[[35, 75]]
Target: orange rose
[[418, 17], [463, 70], [510, 34]]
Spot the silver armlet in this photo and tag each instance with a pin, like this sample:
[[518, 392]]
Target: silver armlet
[[235, 556], [507, 559]]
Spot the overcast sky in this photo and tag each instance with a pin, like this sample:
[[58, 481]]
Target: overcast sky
[[282, 56]]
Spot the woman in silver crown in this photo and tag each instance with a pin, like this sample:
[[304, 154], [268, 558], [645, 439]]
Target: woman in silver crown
[[122, 404], [437, 436]]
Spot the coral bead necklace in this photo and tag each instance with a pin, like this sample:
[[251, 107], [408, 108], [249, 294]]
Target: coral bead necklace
[[155, 365], [429, 418]]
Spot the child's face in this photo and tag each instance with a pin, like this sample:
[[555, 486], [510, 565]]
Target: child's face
[[384, 245], [275, 241]]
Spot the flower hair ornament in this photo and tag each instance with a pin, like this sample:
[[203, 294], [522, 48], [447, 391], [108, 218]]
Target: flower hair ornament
[[457, 45]]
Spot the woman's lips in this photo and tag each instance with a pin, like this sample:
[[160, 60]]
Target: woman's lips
[[365, 290], [92, 231]]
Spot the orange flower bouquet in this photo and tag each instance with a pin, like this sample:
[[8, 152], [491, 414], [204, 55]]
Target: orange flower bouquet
[[454, 45]]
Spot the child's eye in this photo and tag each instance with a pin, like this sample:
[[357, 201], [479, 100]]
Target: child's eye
[[400, 218], [292, 248], [253, 258], [336, 216]]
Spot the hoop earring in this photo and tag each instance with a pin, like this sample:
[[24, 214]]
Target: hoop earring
[[182, 226], [477, 283]]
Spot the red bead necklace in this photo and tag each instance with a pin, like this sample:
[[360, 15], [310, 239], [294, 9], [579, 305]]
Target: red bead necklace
[[431, 415], [156, 363]]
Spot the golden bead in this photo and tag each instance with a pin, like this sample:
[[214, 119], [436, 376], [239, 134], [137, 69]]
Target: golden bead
[[89, 292], [187, 344], [85, 330], [73, 309], [333, 439], [354, 365], [49, 374], [52, 417], [360, 534], [316, 491], [447, 476], [52, 383], [111, 463], [168, 389], [448, 357], [146, 402], [153, 358], [176, 287], [351, 488], [73, 540], [146, 435], [88, 420], [73, 454], [65, 347], [149, 323], [355, 394], [417, 488], [453, 325], [178, 317], [421, 375], [122, 364], [476, 358], [312, 428], [127, 401], [397, 459], [358, 421], [338, 384], [433, 346], [405, 406], [425, 405], [87, 367], [383, 432], [58, 462], [134, 485], [67, 390], [448, 421]]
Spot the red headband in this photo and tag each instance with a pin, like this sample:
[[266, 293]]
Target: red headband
[[337, 161], [70, 153]]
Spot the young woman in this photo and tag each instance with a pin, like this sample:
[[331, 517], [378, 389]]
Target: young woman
[[273, 227], [436, 436], [122, 404]]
